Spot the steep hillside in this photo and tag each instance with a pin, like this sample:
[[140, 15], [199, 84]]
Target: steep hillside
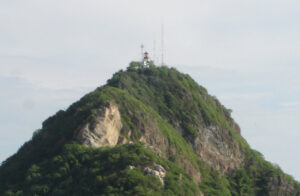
[[148, 131]]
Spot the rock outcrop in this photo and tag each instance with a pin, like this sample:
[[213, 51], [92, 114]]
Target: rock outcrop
[[281, 187], [218, 149], [157, 171], [104, 130]]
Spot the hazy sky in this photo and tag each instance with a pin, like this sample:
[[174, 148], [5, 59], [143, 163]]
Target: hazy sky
[[246, 53]]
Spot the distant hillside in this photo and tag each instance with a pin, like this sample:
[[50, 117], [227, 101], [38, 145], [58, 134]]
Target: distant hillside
[[148, 131]]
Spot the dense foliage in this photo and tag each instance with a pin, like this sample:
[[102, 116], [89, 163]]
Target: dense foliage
[[175, 96], [79, 170], [52, 164]]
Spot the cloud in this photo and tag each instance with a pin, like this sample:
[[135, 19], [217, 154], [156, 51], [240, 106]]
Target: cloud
[[291, 104]]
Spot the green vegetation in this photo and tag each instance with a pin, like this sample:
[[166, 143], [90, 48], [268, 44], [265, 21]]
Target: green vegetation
[[175, 96], [257, 175], [79, 170], [51, 163]]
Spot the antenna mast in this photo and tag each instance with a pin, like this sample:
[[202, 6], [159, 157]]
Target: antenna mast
[[154, 51], [162, 43], [142, 52]]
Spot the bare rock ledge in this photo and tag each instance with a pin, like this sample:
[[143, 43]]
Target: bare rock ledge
[[104, 131]]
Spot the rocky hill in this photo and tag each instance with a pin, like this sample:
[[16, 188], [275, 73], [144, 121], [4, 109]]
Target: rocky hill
[[148, 131]]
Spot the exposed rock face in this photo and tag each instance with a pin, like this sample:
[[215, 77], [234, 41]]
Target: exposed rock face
[[213, 145], [281, 187], [157, 171], [104, 131], [154, 140], [151, 134], [218, 149]]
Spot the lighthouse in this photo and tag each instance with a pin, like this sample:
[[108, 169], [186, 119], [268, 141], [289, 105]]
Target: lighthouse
[[146, 59]]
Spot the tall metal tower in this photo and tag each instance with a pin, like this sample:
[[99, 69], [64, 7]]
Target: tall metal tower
[[154, 51], [142, 52], [162, 43]]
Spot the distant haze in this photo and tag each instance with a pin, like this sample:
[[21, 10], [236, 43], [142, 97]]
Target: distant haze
[[246, 53]]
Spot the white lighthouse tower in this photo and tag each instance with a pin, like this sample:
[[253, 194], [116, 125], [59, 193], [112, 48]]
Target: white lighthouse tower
[[146, 59]]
